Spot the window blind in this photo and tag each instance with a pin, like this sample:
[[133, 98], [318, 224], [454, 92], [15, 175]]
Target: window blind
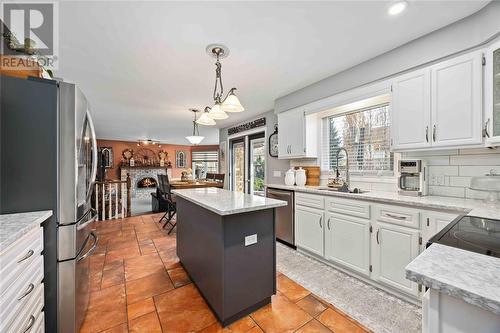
[[365, 134], [205, 156]]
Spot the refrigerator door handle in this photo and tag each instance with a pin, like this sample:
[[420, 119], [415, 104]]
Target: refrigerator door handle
[[92, 249], [94, 157]]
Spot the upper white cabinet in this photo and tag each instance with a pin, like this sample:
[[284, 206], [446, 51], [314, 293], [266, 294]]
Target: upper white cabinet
[[439, 106], [492, 95], [410, 111], [457, 101], [297, 135]]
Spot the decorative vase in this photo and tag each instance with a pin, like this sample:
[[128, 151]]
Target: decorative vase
[[300, 177], [132, 162], [290, 177]]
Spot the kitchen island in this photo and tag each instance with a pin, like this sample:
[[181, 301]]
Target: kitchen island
[[226, 242]]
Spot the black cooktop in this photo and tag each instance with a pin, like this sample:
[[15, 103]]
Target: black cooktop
[[471, 233]]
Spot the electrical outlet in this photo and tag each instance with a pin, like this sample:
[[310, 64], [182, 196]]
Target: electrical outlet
[[440, 180], [250, 240], [276, 173]]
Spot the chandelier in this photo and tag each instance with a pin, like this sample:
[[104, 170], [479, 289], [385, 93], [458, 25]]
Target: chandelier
[[147, 142], [196, 138], [230, 103]]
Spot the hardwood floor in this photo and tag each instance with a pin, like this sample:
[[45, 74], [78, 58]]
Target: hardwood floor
[[138, 285]]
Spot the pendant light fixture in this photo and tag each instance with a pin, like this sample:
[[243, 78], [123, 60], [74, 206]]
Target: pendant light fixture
[[230, 103], [196, 138], [205, 118]]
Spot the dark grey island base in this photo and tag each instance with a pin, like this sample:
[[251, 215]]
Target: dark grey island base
[[234, 279]]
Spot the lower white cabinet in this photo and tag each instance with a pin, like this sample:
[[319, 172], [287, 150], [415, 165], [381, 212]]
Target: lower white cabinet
[[347, 242], [21, 286], [309, 225], [434, 222], [373, 241], [393, 248]]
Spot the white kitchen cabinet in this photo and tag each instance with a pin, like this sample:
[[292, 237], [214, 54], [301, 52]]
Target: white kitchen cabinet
[[21, 284], [456, 101], [411, 110], [393, 248], [347, 242], [309, 225], [492, 95], [434, 222], [297, 135]]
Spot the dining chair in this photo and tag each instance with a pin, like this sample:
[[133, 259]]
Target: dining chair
[[166, 193]]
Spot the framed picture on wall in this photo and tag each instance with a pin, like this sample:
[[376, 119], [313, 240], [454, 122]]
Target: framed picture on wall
[[106, 155], [180, 159]]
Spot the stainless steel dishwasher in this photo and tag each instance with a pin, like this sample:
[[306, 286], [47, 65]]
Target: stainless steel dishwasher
[[284, 216]]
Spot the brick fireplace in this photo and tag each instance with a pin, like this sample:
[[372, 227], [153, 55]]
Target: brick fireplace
[[138, 176]]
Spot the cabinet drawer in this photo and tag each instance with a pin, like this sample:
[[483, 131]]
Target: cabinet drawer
[[310, 200], [356, 208], [27, 317], [407, 217], [19, 256], [21, 293], [39, 326]]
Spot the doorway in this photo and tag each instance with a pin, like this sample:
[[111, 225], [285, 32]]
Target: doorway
[[248, 164]]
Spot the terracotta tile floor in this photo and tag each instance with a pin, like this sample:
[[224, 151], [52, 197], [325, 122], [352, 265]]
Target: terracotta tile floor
[[138, 285]]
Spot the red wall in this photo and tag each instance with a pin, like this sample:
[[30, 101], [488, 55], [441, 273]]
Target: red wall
[[120, 146]]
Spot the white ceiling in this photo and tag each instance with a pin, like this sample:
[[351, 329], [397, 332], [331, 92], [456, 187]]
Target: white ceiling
[[143, 64]]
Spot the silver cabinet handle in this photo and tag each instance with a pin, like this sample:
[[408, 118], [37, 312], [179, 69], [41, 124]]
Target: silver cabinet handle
[[378, 242], [320, 225], [92, 249], [328, 223], [427, 133], [428, 222], [26, 256], [30, 324], [485, 129], [397, 217], [434, 133], [27, 292]]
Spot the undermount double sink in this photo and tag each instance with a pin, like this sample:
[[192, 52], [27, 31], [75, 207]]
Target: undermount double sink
[[333, 189]]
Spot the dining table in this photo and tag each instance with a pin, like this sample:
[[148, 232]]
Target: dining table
[[177, 185]]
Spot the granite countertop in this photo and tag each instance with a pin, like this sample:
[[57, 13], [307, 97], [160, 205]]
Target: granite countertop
[[13, 226], [471, 207], [224, 202], [470, 276]]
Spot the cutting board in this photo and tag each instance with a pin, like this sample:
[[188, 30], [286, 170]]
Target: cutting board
[[312, 175]]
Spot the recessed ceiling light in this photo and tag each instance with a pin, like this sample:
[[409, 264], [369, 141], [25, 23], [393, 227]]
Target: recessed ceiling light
[[397, 7]]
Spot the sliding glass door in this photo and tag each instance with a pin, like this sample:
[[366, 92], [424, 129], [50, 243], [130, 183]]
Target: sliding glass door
[[238, 166], [248, 164]]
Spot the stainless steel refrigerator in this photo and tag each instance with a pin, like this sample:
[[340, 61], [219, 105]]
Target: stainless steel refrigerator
[[49, 161]]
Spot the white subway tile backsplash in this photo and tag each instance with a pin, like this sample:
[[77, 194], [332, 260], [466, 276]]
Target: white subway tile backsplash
[[472, 194], [449, 171], [447, 191], [484, 159], [475, 151], [459, 181], [476, 170], [445, 170]]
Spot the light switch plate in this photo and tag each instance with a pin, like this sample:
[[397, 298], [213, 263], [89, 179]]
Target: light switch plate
[[250, 240]]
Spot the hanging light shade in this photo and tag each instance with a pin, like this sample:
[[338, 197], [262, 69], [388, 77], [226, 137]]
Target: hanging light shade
[[232, 103], [222, 105], [217, 113], [205, 118], [196, 138]]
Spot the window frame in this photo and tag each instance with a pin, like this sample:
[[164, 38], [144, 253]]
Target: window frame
[[325, 149]]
